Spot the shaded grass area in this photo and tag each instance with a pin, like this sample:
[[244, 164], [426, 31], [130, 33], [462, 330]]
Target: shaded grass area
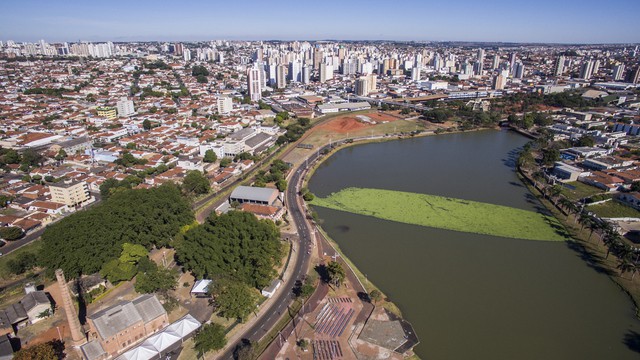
[[446, 213], [614, 209], [33, 247], [580, 190]]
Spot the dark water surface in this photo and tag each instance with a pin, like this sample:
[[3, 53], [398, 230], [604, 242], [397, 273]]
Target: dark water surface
[[474, 296]]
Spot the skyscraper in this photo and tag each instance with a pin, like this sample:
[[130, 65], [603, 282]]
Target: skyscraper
[[415, 73], [559, 66], [281, 76], [254, 82], [295, 71], [618, 71], [499, 82], [633, 76], [326, 72], [519, 70], [480, 60], [306, 74], [362, 86], [586, 70], [496, 61]]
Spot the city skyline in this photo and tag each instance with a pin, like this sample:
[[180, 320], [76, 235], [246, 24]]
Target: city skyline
[[546, 21]]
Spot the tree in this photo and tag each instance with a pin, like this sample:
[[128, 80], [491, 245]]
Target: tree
[[10, 232], [209, 337], [549, 156], [232, 299], [281, 185], [31, 157], [586, 141], [152, 278], [132, 253], [627, 265], [308, 196], [90, 238], [146, 124], [210, 156], [246, 350], [116, 271], [236, 243], [336, 273], [51, 350], [61, 155], [306, 290], [375, 295], [22, 263], [195, 183], [225, 162]]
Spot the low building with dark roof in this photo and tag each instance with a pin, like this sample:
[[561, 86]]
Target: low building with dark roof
[[254, 195]]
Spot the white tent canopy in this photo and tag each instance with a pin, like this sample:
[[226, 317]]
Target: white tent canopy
[[164, 340], [142, 352], [184, 326], [158, 343]]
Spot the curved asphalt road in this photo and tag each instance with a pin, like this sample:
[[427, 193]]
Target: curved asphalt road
[[284, 297]]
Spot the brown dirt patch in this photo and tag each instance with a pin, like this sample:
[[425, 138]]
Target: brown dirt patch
[[383, 117], [343, 124]]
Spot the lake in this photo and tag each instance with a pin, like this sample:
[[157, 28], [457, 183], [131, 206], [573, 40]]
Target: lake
[[473, 296]]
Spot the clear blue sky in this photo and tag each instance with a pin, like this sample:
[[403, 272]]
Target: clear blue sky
[[559, 21]]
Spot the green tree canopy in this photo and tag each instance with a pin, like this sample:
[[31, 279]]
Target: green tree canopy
[[234, 244], [10, 232], [210, 156], [336, 273], [153, 278], [232, 299], [90, 238], [210, 337], [195, 183]]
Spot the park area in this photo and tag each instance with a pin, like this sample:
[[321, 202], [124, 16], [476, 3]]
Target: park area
[[445, 213]]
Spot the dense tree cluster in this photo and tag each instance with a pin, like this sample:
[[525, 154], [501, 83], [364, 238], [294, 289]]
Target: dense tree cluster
[[294, 131], [209, 337], [51, 350], [83, 242], [195, 183], [232, 299], [236, 244], [10, 233], [276, 175]]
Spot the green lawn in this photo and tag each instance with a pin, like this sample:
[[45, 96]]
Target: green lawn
[[581, 191], [614, 209], [445, 213], [33, 247]]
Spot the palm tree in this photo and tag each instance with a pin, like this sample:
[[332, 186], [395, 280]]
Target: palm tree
[[627, 265]]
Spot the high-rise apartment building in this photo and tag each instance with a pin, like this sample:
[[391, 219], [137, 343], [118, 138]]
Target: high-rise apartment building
[[618, 72], [254, 82], [559, 66], [295, 71], [281, 76], [326, 72]]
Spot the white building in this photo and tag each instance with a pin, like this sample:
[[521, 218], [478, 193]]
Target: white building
[[224, 105], [254, 83], [326, 72], [125, 107]]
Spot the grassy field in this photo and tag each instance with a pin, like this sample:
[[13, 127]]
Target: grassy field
[[446, 213], [613, 209], [33, 247], [581, 191]]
